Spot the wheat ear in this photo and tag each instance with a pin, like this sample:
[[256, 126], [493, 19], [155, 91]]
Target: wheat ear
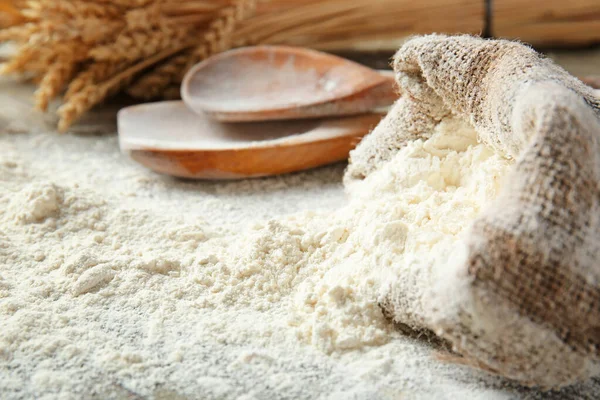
[[20, 33], [91, 95], [73, 9], [215, 39], [93, 74], [53, 82], [131, 46]]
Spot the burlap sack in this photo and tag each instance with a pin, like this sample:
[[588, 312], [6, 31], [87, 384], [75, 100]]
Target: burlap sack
[[524, 301]]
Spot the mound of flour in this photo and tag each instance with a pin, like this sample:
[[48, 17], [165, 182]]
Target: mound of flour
[[119, 283], [401, 229]]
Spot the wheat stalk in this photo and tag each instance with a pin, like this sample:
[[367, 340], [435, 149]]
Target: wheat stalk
[[94, 48], [53, 82], [216, 38], [135, 45], [92, 75], [20, 33], [93, 94], [72, 9]]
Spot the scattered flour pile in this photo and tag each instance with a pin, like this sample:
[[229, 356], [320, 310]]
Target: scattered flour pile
[[118, 283]]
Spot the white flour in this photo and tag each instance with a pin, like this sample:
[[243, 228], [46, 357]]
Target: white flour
[[402, 228], [118, 283]]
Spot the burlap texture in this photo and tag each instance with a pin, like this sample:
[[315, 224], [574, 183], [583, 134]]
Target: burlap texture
[[524, 301]]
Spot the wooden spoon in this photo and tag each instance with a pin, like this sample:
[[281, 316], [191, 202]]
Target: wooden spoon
[[169, 138], [279, 82]]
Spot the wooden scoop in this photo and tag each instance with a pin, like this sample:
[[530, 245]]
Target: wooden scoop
[[169, 138], [279, 82]]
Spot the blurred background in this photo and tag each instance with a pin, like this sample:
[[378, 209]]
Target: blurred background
[[81, 52]]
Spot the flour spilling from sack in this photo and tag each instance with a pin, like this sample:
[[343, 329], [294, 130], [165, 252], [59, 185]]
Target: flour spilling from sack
[[400, 233], [96, 288]]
